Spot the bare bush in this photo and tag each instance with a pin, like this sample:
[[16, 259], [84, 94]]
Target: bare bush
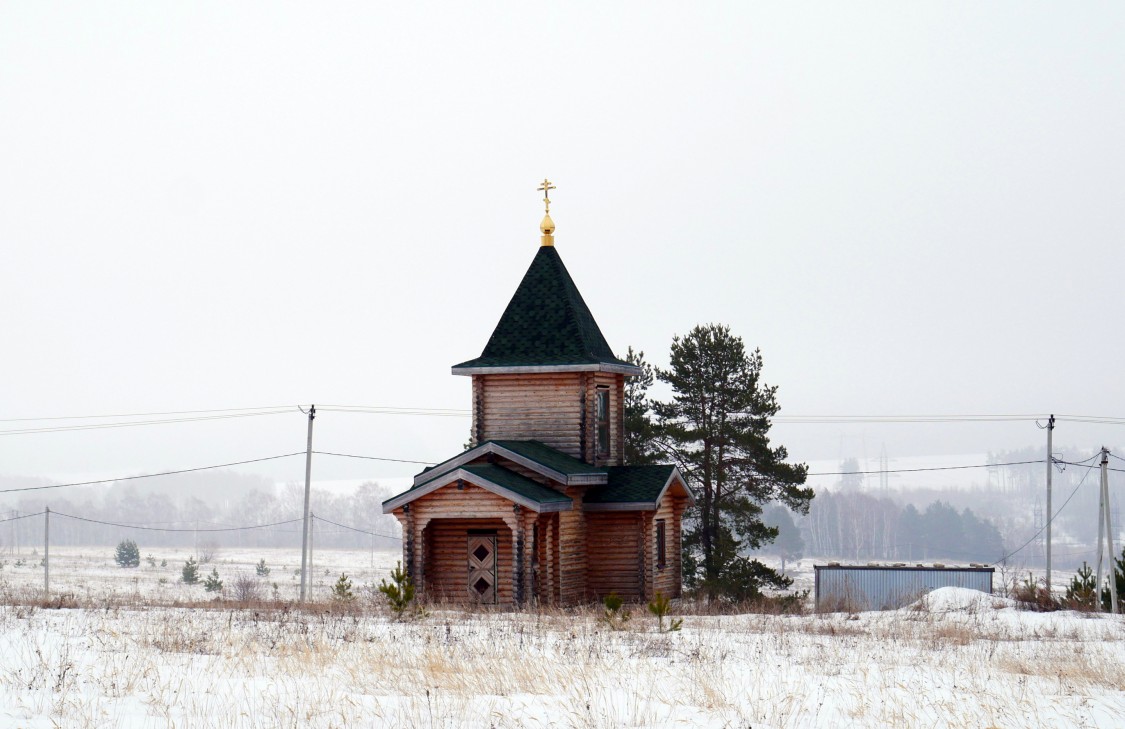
[[245, 588], [207, 552]]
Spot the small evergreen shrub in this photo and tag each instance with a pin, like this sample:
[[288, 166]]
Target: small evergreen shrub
[[342, 590], [615, 614], [1080, 593], [660, 607], [1033, 594], [151, 560], [128, 554], [399, 592], [213, 583], [189, 575], [261, 568]]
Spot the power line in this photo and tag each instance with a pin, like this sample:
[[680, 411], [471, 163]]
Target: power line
[[388, 410], [463, 412], [204, 415], [168, 529], [135, 423], [355, 529], [145, 415], [1083, 462], [151, 475], [374, 458], [1050, 519], [1105, 420], [24, 516], [916, 470], [831, 419]]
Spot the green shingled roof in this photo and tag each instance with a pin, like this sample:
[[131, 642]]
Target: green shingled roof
[[631, 484], [548, 457], [516, 483], [532, 450], [546, 323]]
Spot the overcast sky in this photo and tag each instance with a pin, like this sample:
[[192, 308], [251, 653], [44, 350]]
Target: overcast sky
[[910, 209]]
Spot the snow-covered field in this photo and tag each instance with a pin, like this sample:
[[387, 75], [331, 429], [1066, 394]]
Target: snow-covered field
[[958, 659], [91, 574]]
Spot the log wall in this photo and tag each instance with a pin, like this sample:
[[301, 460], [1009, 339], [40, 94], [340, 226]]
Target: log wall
[[615, 562], [559, 409], [545, 407], [547, 576], [572, 549], [669, 581]]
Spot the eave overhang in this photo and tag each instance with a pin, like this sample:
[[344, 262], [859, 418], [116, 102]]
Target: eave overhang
[[460, 474], [593, 478], [621, 369], [644, 505]]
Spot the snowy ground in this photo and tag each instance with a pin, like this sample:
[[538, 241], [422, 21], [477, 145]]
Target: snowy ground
[[958, 659], [91, 574]]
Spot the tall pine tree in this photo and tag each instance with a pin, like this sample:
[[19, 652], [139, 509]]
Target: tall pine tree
[[716, 426], [640, 432]]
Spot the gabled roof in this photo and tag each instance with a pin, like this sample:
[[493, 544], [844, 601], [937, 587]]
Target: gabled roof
[[616, 488], [490, 477], [538, 457], [546, 325], [635, 488], [516, 483]]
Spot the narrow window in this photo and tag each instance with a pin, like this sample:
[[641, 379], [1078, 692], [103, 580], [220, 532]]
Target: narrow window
[[602, 422], [661, 553]]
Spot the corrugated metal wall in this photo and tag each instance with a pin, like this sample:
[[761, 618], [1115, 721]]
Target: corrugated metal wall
[[888, 588]]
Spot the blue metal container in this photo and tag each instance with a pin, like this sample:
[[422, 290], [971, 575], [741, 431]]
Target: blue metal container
[[888, 587]]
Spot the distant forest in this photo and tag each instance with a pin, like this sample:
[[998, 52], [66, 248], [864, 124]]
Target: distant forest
[[858, 526], [1003, 510], [184, 511]]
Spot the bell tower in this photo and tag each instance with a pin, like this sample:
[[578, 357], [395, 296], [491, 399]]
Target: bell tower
[[547, 372]]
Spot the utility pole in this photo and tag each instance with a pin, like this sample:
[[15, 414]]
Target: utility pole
[[1108, 534], [305, 530], [312, 538], [1101, 528], [1050, 514], [46, 551]]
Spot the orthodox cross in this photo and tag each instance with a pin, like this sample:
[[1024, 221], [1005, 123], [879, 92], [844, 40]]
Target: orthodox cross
[[546, 187]]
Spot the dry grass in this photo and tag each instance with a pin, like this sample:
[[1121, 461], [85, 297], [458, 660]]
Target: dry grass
[[177, 656], [276, 664]]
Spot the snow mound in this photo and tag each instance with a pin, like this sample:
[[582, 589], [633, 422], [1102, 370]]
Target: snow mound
[[959, 599]]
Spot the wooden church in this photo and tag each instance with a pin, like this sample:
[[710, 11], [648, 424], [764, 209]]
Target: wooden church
[[542, 507]]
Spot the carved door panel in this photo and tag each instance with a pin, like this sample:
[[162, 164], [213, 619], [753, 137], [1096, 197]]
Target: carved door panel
[[482, 568]]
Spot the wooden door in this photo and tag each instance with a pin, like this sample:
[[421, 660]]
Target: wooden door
[[482, 568]]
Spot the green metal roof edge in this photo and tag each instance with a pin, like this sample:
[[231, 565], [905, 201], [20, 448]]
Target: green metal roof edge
[[513, 481], [617, 489], [581, 468], [449, 464]]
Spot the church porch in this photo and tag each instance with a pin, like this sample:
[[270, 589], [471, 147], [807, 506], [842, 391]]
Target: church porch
[[471, 541]]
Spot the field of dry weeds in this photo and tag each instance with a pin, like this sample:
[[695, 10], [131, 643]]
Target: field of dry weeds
[[125, 659]]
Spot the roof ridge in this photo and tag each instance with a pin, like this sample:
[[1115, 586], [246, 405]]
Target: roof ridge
[[577, 307]]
